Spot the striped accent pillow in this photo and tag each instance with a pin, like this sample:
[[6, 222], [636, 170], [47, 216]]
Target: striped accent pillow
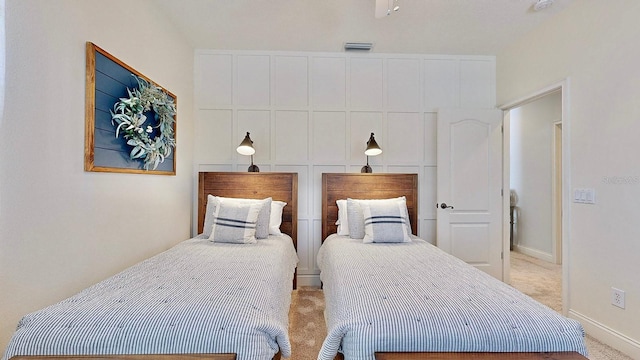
[[384, 222], [356, 218], [264, 218], [235, 223]]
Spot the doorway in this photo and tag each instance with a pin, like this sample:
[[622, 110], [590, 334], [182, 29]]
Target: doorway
[[536, 167], [533, 180]]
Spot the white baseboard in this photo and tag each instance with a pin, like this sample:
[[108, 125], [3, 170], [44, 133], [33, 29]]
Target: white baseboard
[[608, 336], [309, 280], [534, 253]]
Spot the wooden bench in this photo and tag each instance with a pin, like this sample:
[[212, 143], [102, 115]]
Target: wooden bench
[[478, 356]]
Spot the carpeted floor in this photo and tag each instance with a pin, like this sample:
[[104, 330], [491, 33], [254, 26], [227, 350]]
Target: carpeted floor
[[536, 278], [543, 281]]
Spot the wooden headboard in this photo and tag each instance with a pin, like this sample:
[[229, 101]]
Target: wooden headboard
[[278, 186], [366, 186]]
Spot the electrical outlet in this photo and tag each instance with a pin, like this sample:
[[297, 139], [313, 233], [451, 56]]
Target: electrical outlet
[[617, 297]]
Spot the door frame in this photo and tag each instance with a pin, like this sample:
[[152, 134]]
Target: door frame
[[556, 193], [563, 87]]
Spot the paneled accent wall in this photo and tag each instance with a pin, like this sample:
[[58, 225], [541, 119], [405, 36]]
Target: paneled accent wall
[[313, 112]]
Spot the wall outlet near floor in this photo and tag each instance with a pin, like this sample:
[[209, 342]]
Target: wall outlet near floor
[[617, 297]]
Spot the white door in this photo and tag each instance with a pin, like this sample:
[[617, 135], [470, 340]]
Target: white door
[[469, 183]]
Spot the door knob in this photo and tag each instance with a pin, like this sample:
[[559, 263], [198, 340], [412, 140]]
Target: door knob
[[445, 206]]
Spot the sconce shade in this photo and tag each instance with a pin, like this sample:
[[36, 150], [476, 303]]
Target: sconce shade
[[246, 146], [373, 148]]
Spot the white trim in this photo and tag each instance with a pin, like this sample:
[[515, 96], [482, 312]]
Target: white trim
[[533, 253], [506, 198], [608, 336], [556, 193], [309, 280]]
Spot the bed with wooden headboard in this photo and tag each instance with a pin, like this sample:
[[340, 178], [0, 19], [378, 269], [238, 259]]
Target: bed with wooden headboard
[[366, 186], [256, 185], [198, 300], [390, 297]]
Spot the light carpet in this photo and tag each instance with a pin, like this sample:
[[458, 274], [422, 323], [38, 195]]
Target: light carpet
[[536, 278]]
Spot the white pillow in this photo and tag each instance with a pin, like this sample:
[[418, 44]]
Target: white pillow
[[385, 222], [235, 222], [275, 219], [262, 228], [343, 219], [356, 216]]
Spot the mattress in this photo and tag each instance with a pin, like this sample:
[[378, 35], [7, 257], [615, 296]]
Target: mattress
[[415, 297], [197, 297]]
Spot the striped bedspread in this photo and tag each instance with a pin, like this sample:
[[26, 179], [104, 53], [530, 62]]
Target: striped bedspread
[[197, 297], [415, 297]]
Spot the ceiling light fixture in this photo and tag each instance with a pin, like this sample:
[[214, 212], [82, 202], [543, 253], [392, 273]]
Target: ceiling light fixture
[[542, 4], [385, 7]]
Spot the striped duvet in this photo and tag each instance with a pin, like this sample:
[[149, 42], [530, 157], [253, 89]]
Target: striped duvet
[[197, 297], [415, 297]]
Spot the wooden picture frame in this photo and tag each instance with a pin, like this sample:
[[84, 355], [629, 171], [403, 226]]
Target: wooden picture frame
[[107, 80]]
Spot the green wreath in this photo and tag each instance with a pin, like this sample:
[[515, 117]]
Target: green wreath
[[128, 117]]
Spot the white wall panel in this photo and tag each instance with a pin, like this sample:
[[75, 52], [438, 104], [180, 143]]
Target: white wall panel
[[403, 84], [316, 241], [253, 79], [430, 138], [305, 248], [405, 138], [291, 81], [428, 230], [477, 84], [213, 137], [213, 80], [257, 123], [312, 113], [400, 169], [441, 82], [329, 136], [428, 194], [328, 77], [362, 125], [304, 187], [366, 83], [208, 167], [292, 136]]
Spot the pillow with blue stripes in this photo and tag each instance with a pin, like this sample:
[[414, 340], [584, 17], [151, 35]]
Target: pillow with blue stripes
[[235, 222], [385, 222], [356, 218], [264, 217]]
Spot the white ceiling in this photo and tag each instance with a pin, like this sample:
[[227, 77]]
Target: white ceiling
[[472, 27]]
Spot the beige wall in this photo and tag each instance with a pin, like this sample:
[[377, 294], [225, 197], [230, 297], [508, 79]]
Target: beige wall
[[594, 44], [62, 229]]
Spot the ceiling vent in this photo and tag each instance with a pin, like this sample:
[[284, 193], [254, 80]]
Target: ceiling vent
[[358, 46]]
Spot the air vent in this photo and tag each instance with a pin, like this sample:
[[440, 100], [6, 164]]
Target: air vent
[[358, 46]]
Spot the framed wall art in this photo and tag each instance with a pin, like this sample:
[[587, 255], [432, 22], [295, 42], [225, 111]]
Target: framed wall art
[[130, 121]]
